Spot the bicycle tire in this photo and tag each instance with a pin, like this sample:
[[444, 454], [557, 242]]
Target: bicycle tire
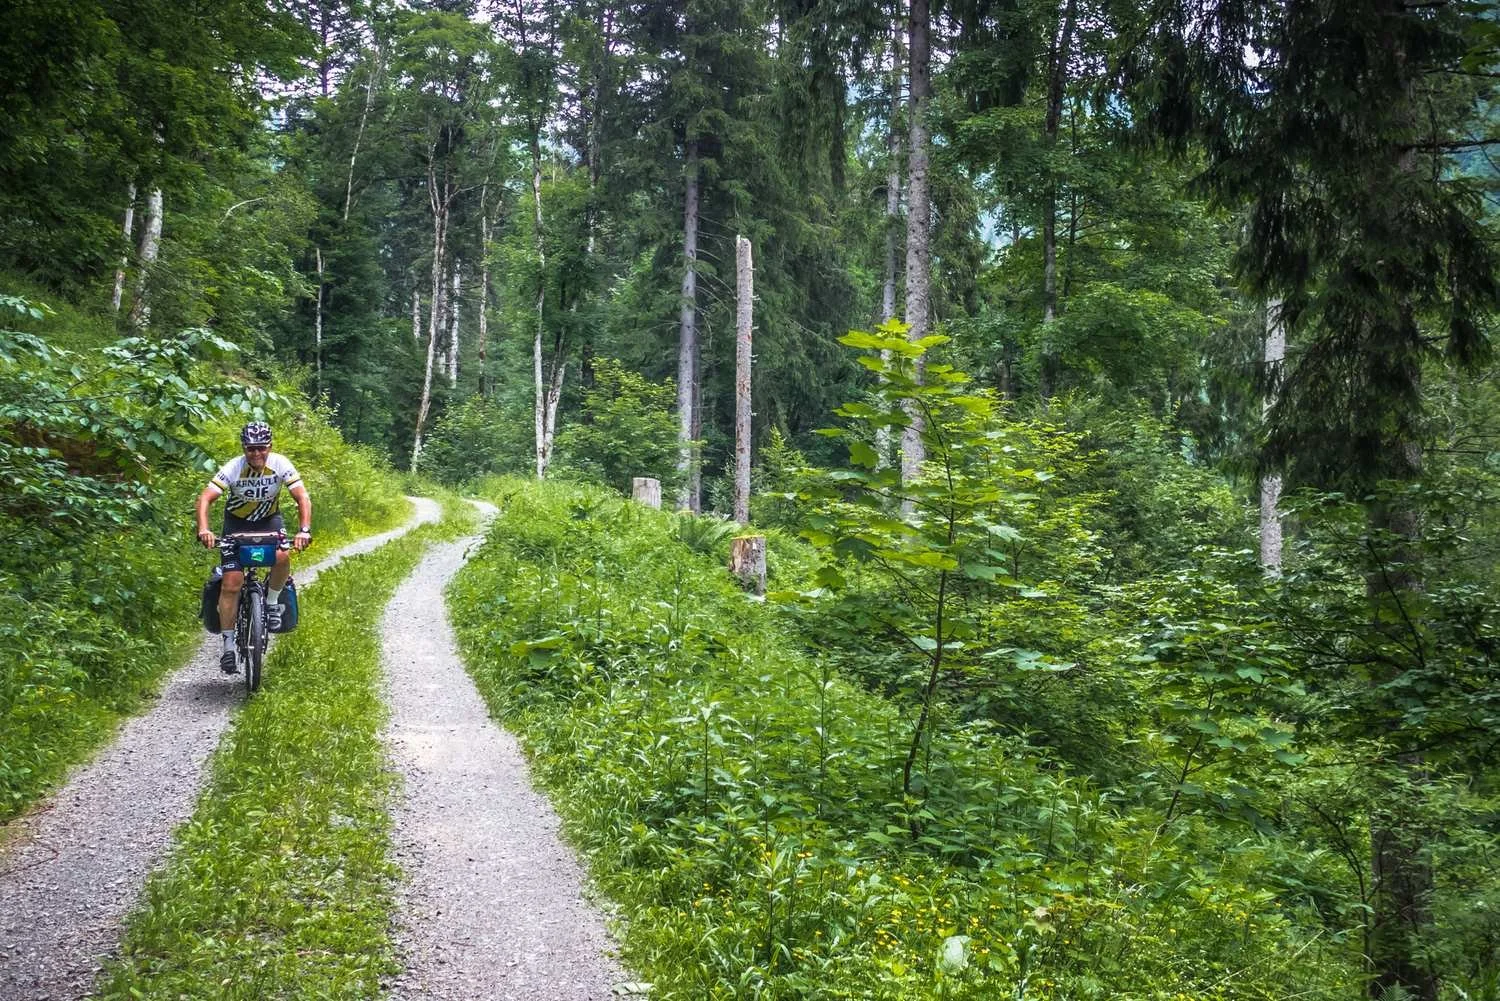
[[255, 639]]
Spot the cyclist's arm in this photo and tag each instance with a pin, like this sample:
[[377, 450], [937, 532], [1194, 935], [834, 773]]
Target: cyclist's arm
[[304, 507], [210, 494]]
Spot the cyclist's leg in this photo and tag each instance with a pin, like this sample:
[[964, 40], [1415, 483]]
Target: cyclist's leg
[[229, 598], [276, 580]]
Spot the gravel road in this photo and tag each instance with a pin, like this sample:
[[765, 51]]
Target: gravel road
[[493, 906], [74, 866]]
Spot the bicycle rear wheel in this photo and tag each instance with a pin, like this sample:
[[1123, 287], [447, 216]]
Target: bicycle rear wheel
[[255, 639]]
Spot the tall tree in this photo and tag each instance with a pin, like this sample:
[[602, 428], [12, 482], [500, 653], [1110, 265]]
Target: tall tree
[[450, 71], [918, 214], [1338, 132]]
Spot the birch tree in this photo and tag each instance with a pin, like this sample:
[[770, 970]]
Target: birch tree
[[449, 74], [918, 215]]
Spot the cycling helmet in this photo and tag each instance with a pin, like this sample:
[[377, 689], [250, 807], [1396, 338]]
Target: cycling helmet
[[256, 433]]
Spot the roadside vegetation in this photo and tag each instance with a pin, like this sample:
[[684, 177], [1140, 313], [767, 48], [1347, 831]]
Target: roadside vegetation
[[741, 798], [103, 446], [280, 885]]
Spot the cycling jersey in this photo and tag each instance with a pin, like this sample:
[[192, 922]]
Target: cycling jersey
[[255, 496]]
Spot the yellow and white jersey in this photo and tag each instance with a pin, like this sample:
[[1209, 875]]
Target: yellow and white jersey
[[255, 496]]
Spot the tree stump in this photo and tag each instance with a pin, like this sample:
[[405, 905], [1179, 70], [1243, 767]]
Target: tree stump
[[647, 491], [747, 561]]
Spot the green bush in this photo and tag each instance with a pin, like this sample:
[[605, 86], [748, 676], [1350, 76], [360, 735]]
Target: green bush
[[480, 437], [626, 429]]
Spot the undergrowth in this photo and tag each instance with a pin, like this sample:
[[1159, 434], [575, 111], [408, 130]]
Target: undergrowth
[[280, 884], [742, 802]]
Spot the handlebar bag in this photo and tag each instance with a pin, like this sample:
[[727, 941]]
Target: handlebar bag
[[258, 554]]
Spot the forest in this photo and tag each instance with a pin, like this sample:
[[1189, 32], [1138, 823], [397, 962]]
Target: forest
[[1125, 434]]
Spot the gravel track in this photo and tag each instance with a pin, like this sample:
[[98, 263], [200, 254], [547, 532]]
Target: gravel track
[[493, 906], [76, 864]]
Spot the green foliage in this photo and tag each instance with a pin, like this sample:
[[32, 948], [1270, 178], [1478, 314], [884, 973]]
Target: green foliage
[[943, 561], [741, 801], [626, 428], [244, 905], [480, 437]]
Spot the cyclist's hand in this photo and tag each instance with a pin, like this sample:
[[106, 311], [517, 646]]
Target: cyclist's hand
[[207, 539], [301, 541]]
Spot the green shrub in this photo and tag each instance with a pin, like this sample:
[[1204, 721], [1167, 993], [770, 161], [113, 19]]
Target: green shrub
[[480, 437], [626, 428]]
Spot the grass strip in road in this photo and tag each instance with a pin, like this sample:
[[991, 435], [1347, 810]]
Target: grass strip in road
[[280, 884]]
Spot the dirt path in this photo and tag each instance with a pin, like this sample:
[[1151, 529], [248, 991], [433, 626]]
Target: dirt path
[[77, 863], [493, 907]]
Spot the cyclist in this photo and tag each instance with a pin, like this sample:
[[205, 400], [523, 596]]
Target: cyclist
[[253, 482]]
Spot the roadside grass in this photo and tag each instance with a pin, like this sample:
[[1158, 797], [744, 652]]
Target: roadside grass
[[742, 803], [85, 638], [280, 885]]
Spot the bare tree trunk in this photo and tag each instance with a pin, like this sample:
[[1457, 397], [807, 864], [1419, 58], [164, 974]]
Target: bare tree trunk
[[892, 227], [440, 204], [549, 413], [140, 312], [119, 293], [484, 291], [1270, 484], [1061, 46], [687, 344], [918, 221], [364, 117], [416, 313], [744, 321], [606, 25], [1057, 79], [542, 403], [318, 328], [1401, 881], [453, 308]]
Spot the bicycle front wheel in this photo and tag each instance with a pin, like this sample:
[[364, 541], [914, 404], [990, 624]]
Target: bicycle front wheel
[[255, 640]]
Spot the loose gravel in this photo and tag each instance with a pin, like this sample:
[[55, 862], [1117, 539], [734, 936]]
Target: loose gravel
[[493, 906], [75, 865]]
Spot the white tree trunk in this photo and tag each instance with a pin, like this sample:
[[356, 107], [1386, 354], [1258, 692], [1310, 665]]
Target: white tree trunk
[[140, 313], [744, 318], [318, 328], [544, 406], [892, 229], [484, 286], [119, 293], [918, 222], [687, 342], [549, 417], [364, 117], [453, 306], [416, 313], [439, 203], [646, 490], [1270, 484]]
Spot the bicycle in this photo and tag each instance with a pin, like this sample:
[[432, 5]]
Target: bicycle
[[255, 550]]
